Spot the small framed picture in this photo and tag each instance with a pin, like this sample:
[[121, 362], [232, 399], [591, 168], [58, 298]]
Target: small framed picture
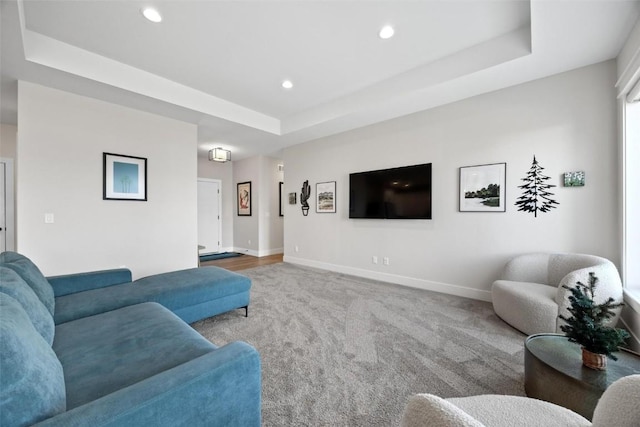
[[124, 177], [574, 179], [326, 197], [482, 188], [293, 198], [244, 198]]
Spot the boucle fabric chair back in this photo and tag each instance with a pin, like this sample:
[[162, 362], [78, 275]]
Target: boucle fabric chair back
[[620, 404], [609, 283], [617, 407], [562, 264]]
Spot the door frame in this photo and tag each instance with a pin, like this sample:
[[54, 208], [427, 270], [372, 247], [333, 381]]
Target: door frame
[[219, 182], [10, 206]]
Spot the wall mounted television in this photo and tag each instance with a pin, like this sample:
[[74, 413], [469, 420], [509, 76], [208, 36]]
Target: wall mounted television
[[398, 193]]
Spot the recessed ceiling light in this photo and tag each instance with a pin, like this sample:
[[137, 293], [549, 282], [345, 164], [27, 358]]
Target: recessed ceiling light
[[152, 15], [287, 84], [386, 32]]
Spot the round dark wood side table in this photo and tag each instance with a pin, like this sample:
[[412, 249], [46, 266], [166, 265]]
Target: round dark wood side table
[[553, 371]]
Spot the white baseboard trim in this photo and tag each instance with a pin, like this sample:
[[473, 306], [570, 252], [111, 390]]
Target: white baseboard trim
[[265, 252], [245, 251], [412, 282]]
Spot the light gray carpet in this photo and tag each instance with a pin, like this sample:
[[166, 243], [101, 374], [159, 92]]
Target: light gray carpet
[[339, 350]]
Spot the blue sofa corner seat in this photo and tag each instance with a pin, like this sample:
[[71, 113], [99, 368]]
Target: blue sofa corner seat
[[136, 364]]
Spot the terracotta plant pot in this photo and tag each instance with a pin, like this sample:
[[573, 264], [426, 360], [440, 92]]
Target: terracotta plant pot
[[594, 360]]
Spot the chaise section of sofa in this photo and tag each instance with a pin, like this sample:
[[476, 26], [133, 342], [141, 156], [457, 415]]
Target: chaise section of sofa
[[139, 364], [192, 294]]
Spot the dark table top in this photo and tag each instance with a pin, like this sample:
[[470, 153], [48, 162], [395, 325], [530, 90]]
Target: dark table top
[[556, 351]]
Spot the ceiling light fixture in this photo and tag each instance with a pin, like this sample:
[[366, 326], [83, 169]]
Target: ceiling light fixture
[[219, 155], [386, 32], [287, 84], [152, 15]]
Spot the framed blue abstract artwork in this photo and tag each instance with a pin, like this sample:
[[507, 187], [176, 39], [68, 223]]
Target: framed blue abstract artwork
[[125, 177]]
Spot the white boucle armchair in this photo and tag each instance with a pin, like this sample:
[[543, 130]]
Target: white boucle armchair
[[617, 407], [530, 295]]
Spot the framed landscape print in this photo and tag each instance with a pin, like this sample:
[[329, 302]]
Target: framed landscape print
[[124, 177], [244, 198], [482, 188], [326, 197]]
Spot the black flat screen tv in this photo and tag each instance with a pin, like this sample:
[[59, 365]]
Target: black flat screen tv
[[398, 193]]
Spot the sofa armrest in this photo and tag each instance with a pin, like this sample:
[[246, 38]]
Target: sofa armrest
[[221, 388], [72, 283]]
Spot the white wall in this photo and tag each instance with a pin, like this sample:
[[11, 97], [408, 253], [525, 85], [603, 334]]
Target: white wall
[[8, 135], [8, 140], [223, 172], [567, 121], [61, 140], [246, 229], [271, 223], [261, 233]]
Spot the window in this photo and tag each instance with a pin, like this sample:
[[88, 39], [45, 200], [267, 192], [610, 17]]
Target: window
[[631, 201]]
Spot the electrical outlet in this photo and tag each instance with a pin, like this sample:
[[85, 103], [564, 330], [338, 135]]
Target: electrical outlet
[[296, 248], [249, 241], [48, 218], [385, 260], [374, 259]]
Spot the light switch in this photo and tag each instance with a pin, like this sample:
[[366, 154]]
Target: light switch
[[48, 218]]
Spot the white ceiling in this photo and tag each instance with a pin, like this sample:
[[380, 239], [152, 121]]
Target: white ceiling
[[220, 64]]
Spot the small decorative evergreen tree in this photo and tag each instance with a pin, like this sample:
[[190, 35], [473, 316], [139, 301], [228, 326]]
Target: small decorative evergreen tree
[[535, 196], [586, 325]]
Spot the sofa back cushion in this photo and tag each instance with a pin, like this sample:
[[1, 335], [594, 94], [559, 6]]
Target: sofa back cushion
[[32, 275], [13, 285], [32, 382], [561, 264]]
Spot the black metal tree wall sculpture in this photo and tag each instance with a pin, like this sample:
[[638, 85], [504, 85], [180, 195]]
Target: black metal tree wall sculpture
[[304, 196], [535, 196]]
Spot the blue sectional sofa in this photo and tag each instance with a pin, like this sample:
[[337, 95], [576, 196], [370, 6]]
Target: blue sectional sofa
[[119, 353]]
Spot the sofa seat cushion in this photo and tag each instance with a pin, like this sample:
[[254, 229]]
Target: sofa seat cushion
[[108, 352], [31, 275], [175, 290], [32, 385], [528, 307], [13, 285]]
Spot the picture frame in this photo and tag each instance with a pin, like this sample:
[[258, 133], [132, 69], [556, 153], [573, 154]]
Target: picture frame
[[326, 197], [483, 188], [293, 199], [124, 177], [244, 198], [574, 179], [280, 198]]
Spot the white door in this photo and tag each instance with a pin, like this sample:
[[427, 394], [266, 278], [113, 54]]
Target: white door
[[209, 223], [3, 208]]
